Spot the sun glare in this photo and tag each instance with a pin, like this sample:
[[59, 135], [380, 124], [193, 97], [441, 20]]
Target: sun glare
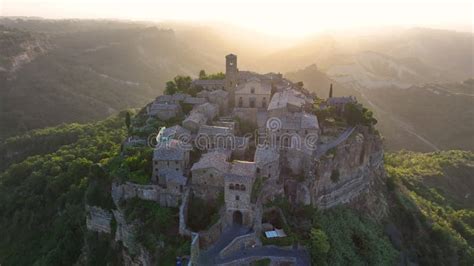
[[282, 18]]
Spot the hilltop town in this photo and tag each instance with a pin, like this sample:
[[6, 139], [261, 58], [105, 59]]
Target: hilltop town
[[226, 151]]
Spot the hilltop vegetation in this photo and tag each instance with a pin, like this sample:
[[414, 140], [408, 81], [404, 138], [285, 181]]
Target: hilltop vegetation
[[432, 207], [42, 196]]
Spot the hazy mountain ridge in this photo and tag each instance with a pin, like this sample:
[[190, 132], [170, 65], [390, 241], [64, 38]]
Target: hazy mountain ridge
[[425, 117], [87, 73], [420, 102], [19, 47], [424, 50], [91, 68]]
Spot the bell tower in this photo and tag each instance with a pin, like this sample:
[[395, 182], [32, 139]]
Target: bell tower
[[231, 76]]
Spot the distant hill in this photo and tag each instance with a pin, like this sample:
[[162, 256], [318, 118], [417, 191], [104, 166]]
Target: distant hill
[[77, 71], [421, 118], [420, 102], [417, 53]]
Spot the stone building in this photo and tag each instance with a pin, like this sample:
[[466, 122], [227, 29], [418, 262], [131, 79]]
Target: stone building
[[210, 169], [221, 98], [176, 132], [267, 161], [172, 155], [287, 101], [194, 100], [194, 121], [291, 130], [174, 98], [172, 186], [340, 102], [209, 110], [214, 137], [164, 111], [209, 84], [253, 94], [231, 76], [237, 193]]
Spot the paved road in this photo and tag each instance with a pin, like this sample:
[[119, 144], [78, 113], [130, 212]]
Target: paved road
[[322, 149], [301, 256], [208, 257]]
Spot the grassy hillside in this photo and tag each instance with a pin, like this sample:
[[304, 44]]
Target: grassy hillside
[[432, 210]]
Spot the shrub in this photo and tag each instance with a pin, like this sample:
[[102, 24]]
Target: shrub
[[335, 176]]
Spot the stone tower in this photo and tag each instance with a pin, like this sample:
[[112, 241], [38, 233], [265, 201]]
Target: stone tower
[[231, 76], [237, 194]]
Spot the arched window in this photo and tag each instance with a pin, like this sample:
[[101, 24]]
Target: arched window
[[252, 90], [237, 187], [242, 187], [231, 186]]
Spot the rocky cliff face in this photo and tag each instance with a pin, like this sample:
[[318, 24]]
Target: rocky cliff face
[[351, 173]]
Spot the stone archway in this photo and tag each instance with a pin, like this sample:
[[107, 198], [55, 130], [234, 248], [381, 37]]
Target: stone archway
[[237, 218]]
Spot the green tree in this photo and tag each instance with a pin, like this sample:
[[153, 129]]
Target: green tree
[[183, 83], [127, 120], [319, 245], [218, 75], [202, 74], [171, 88]]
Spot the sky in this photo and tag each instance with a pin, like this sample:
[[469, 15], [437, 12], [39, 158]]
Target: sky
[[274, 17]]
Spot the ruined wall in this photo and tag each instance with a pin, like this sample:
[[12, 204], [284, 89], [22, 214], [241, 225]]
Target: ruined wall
[[145, 192]]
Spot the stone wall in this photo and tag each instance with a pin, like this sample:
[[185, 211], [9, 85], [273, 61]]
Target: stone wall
[[145, 192], [195, 249], [98, 219], [183, 214], [211, 235], [275, 261]]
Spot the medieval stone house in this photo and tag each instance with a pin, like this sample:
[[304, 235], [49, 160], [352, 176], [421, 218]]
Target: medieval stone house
[[172, 155], [164, 111], [237, 193], [267, 160], [210, 169]]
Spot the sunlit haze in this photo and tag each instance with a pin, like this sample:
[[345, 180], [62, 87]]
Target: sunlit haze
[[282, 18]]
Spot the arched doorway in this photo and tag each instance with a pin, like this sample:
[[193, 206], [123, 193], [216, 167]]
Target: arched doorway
[[237, 218]]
